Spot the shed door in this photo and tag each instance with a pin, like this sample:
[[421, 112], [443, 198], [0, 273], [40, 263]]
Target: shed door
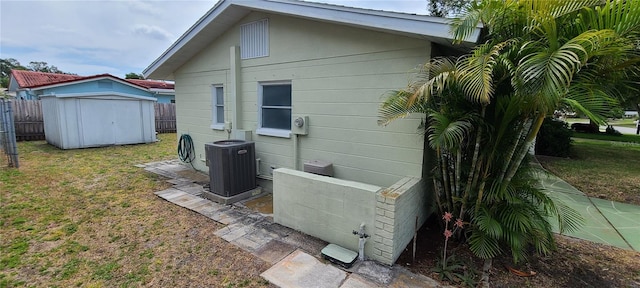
[[108, 122], [128, 124], [98, 119]]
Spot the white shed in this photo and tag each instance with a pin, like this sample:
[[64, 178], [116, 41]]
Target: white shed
[[81, 120]]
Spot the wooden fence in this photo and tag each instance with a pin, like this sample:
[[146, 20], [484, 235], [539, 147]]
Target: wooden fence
[[27, 117], [165, 117], [29, 124]]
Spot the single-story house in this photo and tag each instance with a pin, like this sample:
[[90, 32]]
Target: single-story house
[[21, 81], [31, 85], [252, 70], [162, 90]]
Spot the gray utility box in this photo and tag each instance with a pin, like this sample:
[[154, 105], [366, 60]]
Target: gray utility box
[[232, 166], [319, 167]]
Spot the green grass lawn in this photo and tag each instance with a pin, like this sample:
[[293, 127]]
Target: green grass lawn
[[626, 122], [89, 218], [602, 136], [605, 169]]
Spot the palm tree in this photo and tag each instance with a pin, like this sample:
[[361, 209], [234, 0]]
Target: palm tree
[[484, 109]]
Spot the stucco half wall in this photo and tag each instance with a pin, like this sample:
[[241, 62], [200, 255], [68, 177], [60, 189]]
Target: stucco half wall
[[330, 209]]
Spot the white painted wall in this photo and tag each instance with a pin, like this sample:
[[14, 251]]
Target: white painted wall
[[330, 209], [339, 75], [324, 207]]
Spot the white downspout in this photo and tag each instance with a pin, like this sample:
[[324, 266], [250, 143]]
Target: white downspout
[[234, 85], [296, 166]]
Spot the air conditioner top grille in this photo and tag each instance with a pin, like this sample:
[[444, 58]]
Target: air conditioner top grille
[[229, 142]]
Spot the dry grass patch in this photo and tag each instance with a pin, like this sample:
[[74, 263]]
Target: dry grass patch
[[89, 218], [603, 169]]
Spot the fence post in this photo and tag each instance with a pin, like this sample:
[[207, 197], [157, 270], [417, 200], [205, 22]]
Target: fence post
[[8, 133]]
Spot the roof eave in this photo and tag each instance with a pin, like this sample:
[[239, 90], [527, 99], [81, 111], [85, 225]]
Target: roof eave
[[435, 29], [87, 79]]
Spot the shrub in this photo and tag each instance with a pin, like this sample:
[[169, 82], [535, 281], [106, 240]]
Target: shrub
[[612, 131], [554, 138]]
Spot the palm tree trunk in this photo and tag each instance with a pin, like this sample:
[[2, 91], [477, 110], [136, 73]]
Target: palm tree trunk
[[509, 158], [452, 181], [525, 148], [480, 194], [445, 177], [484, 279], [458, 171], [473, 172], [438, 190]]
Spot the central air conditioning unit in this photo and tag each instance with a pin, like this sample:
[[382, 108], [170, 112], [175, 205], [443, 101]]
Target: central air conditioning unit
[[232, 166]]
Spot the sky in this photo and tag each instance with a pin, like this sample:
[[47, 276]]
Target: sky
[[116, 37]]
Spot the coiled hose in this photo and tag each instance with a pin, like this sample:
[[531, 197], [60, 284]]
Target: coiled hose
[[186, 150]]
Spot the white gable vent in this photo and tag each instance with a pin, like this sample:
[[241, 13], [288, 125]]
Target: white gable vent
[[254, 39]]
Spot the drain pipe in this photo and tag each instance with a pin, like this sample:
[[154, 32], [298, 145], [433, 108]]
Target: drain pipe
[[296, 166], [362, 239]]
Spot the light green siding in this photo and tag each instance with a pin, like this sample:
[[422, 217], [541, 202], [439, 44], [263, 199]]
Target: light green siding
[[338, 74]]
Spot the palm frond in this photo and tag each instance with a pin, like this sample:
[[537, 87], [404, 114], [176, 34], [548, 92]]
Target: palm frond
[[569, 220], [395, 107], [483, 245], [488, 224], [560, 8], [621, 16], [447, 133], [590, 101], [462, 27], [477, 71]]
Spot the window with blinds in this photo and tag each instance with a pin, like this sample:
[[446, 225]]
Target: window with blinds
[[254, 39]]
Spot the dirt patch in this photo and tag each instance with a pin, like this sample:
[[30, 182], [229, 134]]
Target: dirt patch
[[576, 263], [262, 204]]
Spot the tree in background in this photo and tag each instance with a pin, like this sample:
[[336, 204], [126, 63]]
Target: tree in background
[[133, 75], [446, 8], [484, 109], [41, 66], [8, 64]]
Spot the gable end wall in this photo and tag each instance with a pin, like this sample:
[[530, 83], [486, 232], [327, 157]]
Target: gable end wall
[[339, 75]]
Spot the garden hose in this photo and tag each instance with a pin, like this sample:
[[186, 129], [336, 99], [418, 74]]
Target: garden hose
[[186, 150]]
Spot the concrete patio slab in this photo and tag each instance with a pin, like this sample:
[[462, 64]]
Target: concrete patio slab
[[166, 193], [382, 275], [274, 251], [191, 188], [300, 269], [355, 281]]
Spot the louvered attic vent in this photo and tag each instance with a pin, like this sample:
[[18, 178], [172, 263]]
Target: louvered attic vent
[[254, 39]]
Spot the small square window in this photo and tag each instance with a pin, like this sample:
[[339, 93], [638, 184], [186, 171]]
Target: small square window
[[275, 109], [217, 107]]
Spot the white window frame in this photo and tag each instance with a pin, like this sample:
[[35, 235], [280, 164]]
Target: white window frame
[[214, 104], [272, 131]]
